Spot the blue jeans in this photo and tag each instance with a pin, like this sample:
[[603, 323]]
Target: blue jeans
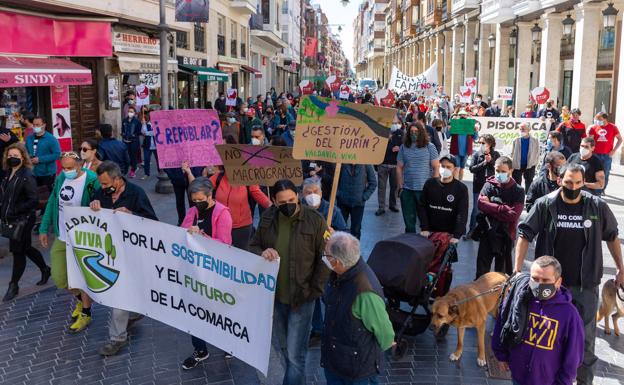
[[606, 163], [147, 157], [317, 318], [475, 210], [291, 327], [133, 151], [333, 380]]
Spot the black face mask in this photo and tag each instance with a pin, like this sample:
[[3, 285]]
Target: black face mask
[[14, 162], [542, 291], [109, 190], [202, 207], [571, 194], [288, 209]]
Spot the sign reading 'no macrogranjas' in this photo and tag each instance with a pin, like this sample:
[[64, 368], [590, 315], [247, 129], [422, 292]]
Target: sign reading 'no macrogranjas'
[[216, 292], [341, 132]]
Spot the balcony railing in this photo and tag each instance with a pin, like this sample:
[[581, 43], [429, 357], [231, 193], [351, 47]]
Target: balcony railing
[[221, 45]]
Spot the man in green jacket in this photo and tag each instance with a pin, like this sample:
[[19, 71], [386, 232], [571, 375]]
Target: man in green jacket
[[74, 186], [296, 235]]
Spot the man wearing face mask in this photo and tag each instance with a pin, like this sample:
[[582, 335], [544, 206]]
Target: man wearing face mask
[[387, 170], [443, 205], [608, 141], [493, 110], [577, 223], [555, 143], [219, 103], [552, 334], [547, 182], [525, 156], [549, 114], [130, 133], [501, 202], [296, 235], [231, 126], [594, 170], [122, 196], [44, 150], [356, 324], [573, 131], [73, 187], [313, 196], [481, 167]]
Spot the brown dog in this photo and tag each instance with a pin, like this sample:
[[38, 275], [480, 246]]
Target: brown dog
[[610, 303], [469, 314]]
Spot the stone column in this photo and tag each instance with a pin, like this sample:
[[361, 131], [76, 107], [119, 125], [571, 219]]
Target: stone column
[[413, 58], [448, 64], [550, 62], [438, 56], [484, 60], [588, 23], [456, 75], [523, 64], [469, 53], [501, 59]]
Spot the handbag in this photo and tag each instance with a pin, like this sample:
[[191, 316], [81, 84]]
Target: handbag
[[13, 230]]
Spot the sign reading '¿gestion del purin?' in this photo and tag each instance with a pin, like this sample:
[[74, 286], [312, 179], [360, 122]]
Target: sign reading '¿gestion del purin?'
[[341, 132]]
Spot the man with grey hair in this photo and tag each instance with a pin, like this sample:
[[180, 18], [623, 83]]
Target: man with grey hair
[[356, 321], [525, 155], [313, 196], [553, 330]]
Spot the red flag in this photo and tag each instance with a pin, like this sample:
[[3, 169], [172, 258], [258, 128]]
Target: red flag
[[310, 47]]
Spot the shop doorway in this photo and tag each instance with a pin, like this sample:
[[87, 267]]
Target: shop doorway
[[84, 105]]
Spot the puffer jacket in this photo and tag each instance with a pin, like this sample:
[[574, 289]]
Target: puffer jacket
[[357, 183]]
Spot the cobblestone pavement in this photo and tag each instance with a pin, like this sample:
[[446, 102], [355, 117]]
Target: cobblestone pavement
[[35, 348]]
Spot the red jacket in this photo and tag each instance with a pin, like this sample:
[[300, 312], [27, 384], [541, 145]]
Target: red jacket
[[237, 200]]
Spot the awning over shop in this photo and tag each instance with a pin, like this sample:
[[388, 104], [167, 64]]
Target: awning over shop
[[207, 74], [142, 64], [251, 70], [32, 72]]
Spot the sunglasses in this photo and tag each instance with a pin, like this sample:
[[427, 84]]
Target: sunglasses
[[85, 149]]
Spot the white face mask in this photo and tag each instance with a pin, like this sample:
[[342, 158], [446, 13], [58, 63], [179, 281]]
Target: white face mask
[[83, 155], [231, 120], [395, 127], [584, 152], [445, 173], [255, 141], [313, 200], [483, 148], [245, 110], [326, 261], [131, 115]]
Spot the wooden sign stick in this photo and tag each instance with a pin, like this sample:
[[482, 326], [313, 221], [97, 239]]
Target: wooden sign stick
[[332, 197]]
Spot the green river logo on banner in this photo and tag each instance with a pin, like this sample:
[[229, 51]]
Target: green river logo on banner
[[96, 258]]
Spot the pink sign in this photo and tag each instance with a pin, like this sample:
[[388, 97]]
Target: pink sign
[[60, 96], [32, 72], [34, 35], [187, 135]]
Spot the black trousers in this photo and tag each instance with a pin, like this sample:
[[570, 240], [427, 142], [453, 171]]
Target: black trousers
[[23, 248], [241, 237], [181, 196], [494, 247], [528, 173]]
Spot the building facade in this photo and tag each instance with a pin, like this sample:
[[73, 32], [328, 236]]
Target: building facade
[[370, 40]]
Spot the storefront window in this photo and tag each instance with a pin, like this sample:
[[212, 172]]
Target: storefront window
[[15, 101]]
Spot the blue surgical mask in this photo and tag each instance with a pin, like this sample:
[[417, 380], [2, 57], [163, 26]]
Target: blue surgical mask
[[549, 144], [599, 122], [502, 177], [37, 129], [71, 174]]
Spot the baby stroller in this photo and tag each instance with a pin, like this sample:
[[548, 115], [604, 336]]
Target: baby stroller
[[414, 270]]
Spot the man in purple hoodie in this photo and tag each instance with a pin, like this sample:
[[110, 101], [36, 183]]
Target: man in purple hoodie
[[552, 346]]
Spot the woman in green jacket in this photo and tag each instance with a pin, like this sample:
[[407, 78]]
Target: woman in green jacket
[[74, 186]]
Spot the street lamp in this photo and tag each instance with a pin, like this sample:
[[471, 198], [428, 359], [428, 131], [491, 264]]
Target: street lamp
[[513, 37], [475, 45], [609, 15], [461, 48], [536, 33], [568, 22], [491, 40]]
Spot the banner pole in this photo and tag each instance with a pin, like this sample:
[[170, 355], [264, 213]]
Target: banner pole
[[332, 197]]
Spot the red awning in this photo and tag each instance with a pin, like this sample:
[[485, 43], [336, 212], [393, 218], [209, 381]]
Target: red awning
[[32, 72], [251, 70]]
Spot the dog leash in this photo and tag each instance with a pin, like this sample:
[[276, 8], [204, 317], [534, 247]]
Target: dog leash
[[492, 290], [618, 291]]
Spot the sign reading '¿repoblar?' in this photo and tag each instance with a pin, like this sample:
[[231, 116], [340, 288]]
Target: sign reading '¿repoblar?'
[[341, 132], [187, 135], [250, 165]]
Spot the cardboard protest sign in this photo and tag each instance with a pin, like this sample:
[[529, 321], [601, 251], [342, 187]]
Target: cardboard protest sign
[[248, 165], [506, 130], [463, 126], [187, 135], [341, 132], [465, 94], [505, 93], [424, 83]]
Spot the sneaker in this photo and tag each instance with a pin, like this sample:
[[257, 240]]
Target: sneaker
[[81, 323], [394, 209], [195, 358], [77, 310], [380, 212], [131, 174], [229, 356], [112, 347], [133, 321]]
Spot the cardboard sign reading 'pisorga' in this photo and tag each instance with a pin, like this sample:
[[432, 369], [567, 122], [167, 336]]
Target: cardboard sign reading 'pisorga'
[[341, 132], [249, 165]]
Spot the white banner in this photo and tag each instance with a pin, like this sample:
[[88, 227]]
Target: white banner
[[505, 93], [506, 130], [425, 83], [213, 291]]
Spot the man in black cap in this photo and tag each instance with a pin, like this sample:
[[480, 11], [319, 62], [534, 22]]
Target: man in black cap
[[443, 205]]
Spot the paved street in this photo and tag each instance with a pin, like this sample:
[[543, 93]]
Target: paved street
[[35, 348]]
